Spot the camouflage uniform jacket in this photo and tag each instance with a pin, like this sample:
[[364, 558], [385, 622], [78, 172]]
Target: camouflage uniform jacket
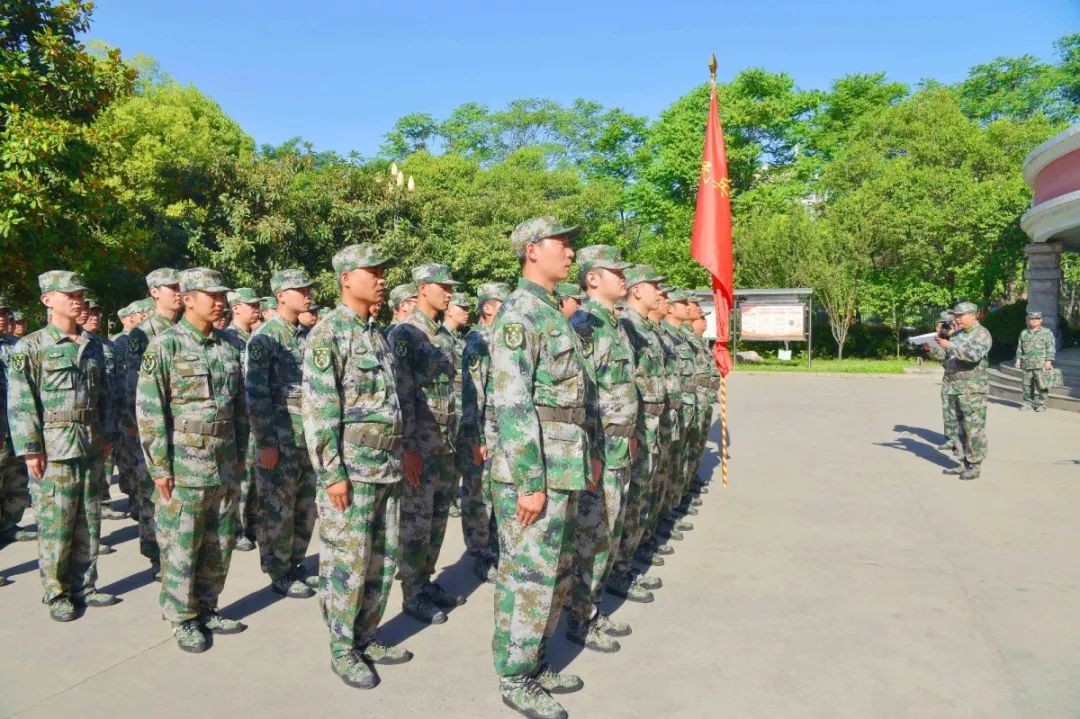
[[59, 398], [453, 338], [191, 395], [966, 361], [274, 383], [137, 341], [683, 365], [351, 402], [648, 356], [7, 345], [475, 374], [1034, 348], [607, 349], [238, 338], [703, 362], [547, 428], [424, 368]]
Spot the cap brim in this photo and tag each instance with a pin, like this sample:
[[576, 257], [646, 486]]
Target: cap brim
[[572, 231], [614, 265], [71, 288], [294, 287]]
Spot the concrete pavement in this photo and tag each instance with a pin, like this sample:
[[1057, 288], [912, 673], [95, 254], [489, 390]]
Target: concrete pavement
[[840, 575]]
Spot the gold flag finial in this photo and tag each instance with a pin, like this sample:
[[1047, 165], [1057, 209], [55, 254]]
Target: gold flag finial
[[712, 67]]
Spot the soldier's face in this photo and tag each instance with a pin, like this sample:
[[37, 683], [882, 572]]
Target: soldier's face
[[491, 308], [206, 307], [93, 320], [405, 308], [5, 322], [20, 328], [552, 256], [435, 295], [167, 297], [647, 294], [295, 300], [457, 315], [699, 326], [965, 320], [84, 314], [364, 284], [1035, 323], [245, 313], [64, 305], [610, 284]]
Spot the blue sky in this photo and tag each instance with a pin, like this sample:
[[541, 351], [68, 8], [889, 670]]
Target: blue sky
[[340, 73]]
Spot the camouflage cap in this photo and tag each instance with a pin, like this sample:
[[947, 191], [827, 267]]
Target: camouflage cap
[[314, 308], [675, 294], [4, 303], [17, 316], [202, 279], [356, 256], [401, 293], [1033, 315], [162, 276], [293, 279], [244, 296], [60, 281], [945, 316], [636, 274], [461, 300], [144, 305], [538, 229], [268, 303], [492, 291], [569, 289], [433, 273], [127, 310], [92, 303], [963, 308], [604, 257]]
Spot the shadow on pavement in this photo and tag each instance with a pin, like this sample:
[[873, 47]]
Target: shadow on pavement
[[20, 569], [130, 583], [124, 534], [920, 448], [455, 579], [927, 435]]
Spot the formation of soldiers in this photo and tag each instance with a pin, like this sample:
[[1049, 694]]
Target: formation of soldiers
[[570, 421]]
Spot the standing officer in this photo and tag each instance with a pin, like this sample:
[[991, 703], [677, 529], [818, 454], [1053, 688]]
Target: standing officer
[[1035, 356], [245, 318], [570, 298], [352, 425], [285, 479], [402, 301], [14, 481], [20, 324], [478, 433], [115, 365], [163, 310], [968, 384], [546, 452], [600, 511], [425, 370], [61, 419], [194, 430], [948, 419], [455, 320]]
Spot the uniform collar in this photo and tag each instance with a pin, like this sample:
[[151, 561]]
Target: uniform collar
[[424, 321], [595, 308], [535, 289], [58, 337], [199, 337]]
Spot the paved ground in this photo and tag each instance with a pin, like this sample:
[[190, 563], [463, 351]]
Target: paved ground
[[840, 575]]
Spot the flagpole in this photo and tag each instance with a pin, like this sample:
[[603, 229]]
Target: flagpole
[[723, 377]]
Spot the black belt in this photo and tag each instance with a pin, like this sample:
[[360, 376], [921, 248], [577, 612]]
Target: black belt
[[966, 374]]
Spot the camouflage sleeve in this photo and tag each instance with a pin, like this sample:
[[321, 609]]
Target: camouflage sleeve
[[323, 411], [137, 342], [937, 353], [106, 406], [972, 348], [513, 366], [472, 394], [405, 379], [257, 388], [243, 425], [152, 409], [1051, 346], [1019, 347], [23, 408], [594, 423]]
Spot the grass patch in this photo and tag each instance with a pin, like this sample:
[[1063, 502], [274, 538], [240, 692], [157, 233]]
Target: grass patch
[[845, 366]]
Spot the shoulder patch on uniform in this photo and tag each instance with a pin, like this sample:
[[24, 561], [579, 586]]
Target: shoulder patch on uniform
[[401, 348], [255, 351], [474, 362], [320, 356], [149, 362], [515, 335], [587, 345], [18, 362]]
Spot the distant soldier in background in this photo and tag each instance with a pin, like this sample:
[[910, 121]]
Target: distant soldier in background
[[20, 324], [455, 322], [61, 419], [14, 487], [245, 317], [126, 447], [402, 301], [115, 365], [1035, 352], [309, 318], [570, 298], [268, 309]]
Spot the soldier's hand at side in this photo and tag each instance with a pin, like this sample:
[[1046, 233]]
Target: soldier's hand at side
[[1048, 365], [413, 466], [942, 342], [597, 473], [529, 507], [479, 455], [1017, 364], [269, 457], [927, 347], [165, 487], [633, 446], [106, 449], [35, 465], [339, 494]]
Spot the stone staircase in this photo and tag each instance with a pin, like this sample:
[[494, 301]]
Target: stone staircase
[[1005, 382]]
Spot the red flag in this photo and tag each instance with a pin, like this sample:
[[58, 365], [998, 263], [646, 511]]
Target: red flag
[[710, 244]]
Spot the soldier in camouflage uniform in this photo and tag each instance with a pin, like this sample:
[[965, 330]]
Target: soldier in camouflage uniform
[[114, 371], [478, 433], [164, 287], [194, 428], [599, 526], [20, 325], [1035, 352], [643, 297], [308, 319], [968, 385], [707, 383], [126, 446], [948, 418], [548, 449], [425, 371], [285, 479], [352, 425], [455, 321], [61, 419], [678, 313], [267, 309], [246, 315], [402, 302], [14, 481], [570, 298]]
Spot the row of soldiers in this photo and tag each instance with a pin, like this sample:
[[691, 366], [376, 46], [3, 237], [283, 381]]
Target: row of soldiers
[[574, 422]]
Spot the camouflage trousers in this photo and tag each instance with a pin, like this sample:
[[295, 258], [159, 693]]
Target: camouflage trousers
[[357, 562], [691, 451], [535, 563], [195, 532], [145, 493], [598, 529], [640, 491], [67, 505], [286, 511], [970, 412], [1034, 394], [664, 473], [247, 506], [424, 513], [706, 409], [14, 490], [477, 518], [948, 418]]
